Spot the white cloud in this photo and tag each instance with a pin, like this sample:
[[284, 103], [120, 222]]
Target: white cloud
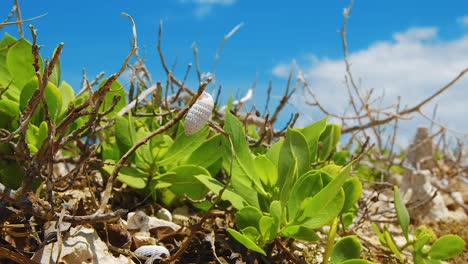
[[414, 65], [463, 20], [204, 7]]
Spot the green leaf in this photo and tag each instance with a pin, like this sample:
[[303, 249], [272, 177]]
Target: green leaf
[[390, 242], [244, 240], [446, 247], [184, 146], [266, 170], [322, 207], [347, 248], [55, 75], [422, 236], [273, 152], [353, 190], [248, 216], [11, 174], [316, 216], [5, 77], [9, 111], [42, 134], [20, 66], [208, 153], [130, 176], [183, 181], [68, 95], [268, 228], [116, 90], [244, 178], [294, 149], [125, 133], [379, 234], [312, 134], [109, 149], [329, 138], [300, 232], [52, 96], [276, 211], [228, 195], [307, 186], [402, 213]]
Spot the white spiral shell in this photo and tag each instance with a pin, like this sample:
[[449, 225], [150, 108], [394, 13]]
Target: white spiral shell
[[199, 114], [156, 252]]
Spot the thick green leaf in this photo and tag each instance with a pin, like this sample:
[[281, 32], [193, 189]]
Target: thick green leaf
[[244, 240], [125, 133], [294, 150], [68, 95], [402, 213], [307, 186], [273, 152], [5, 77], [116, 90], [300, 232], [266, 170], [347, 248], [276, 211], [323, 214], [52, 96], [130, 176], [422, 236], [9, 111], [341, 157], [248, 216], [43, 133], [244, 178], [109, 149], [184, 146], [446, 247], [55, 75], [322, 207], [312, 134], [379, 234], [11, 174], [391, 244], [328, 140], [183, 181], [253, 234], [144, 156], [208, 153], [268, 228], [215, 186], [291, 177], [31, 137], [332, 170], [20, 61], [353, 190]]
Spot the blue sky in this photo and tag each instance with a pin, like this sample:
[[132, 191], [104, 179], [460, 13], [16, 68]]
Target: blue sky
[[401, 47]]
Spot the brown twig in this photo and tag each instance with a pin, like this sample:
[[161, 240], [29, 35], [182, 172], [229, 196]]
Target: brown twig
[[406, 111]]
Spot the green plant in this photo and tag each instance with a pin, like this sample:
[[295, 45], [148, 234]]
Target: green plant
[[279, 194], [426, 247]]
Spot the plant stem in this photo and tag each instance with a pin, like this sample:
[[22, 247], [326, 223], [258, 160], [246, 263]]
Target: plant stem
[[330, 241]]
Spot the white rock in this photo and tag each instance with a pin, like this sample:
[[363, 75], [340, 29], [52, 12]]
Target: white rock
[[82, 245]]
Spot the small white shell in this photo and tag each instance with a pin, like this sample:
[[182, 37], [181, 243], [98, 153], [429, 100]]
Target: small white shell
[[164, 214], [153, 251], [199, 114]]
